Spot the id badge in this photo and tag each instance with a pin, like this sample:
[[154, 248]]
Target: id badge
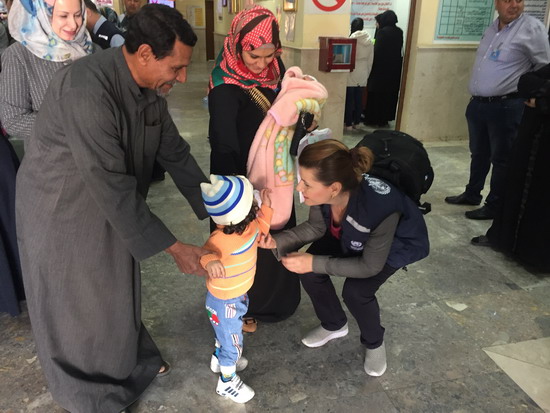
[[495, 53]]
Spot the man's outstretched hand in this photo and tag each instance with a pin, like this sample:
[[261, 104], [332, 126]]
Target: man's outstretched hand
[[187, 257]]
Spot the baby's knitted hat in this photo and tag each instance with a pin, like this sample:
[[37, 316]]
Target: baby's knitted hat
[[227, 199]]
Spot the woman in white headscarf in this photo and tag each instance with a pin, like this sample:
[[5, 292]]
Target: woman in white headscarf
[[49, 34]]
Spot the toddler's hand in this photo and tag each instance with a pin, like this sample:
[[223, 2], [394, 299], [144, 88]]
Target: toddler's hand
[[266, 241], [266, 199], [215, 269]]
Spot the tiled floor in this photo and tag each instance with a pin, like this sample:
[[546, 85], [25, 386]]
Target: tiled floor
[[467, 329]]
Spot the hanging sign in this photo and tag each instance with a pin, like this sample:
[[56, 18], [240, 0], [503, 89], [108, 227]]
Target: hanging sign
[[368, 10], [327, 6], [104, 3]]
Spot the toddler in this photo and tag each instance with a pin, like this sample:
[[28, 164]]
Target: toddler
[[231, 268]]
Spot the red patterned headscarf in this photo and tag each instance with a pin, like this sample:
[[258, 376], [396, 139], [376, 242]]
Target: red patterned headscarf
[[250, 30]]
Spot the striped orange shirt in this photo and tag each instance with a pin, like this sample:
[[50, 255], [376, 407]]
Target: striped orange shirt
[[238, 254]]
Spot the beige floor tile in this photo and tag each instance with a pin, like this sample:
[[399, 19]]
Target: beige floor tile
[[528, 365], [536, 352]]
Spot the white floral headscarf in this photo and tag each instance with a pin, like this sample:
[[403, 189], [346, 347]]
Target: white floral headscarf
[[30, 23]]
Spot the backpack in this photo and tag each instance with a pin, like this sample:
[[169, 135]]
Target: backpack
[[401, 160]]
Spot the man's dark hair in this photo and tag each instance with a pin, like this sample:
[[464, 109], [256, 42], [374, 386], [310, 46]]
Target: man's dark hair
[[158, 26], [90, 5]]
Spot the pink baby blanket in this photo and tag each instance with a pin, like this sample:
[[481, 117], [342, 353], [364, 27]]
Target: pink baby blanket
[[269, 163]]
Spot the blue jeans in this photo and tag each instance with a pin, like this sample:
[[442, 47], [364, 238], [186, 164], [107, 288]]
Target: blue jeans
[[493, 127], [354, 105], [226, 317]]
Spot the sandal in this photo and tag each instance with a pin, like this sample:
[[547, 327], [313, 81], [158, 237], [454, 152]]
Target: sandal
[[249, 324], [165, 369]]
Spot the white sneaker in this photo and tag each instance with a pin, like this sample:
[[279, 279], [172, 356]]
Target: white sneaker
[[319, 336], [215, 364], [375, 361], [235, 390]]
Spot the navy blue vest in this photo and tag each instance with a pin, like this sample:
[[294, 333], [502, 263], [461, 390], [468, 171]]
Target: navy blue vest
[[368, 206]]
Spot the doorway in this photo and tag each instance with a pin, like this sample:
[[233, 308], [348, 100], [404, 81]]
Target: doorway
[[209, 29], [383, 108]]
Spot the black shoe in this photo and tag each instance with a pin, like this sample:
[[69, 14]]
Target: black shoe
[[130, 409], [480, 213], [158, 177], [481, 241], [462, 199]]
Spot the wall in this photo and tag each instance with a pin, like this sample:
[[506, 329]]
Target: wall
[[118, 6], [436, 82], [199, 51], [437, 94]]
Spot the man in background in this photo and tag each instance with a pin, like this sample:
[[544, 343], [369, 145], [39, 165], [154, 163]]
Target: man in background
[[104, 33], [131, 7], [514, 44]]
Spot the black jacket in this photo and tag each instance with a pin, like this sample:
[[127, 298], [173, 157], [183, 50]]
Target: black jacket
[[385, 75]]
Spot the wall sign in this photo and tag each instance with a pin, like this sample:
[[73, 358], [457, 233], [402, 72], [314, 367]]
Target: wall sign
[[537, 8], [368, 10], [327, 6], [463, 21], [104, 3], [195, 17]]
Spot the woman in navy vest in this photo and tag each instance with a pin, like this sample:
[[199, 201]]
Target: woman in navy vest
[[363, 229]]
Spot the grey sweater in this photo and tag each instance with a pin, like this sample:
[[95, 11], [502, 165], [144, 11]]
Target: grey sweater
[[23, 83], [371, 261]]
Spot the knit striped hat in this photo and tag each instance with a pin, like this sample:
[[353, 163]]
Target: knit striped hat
[[227, 199]]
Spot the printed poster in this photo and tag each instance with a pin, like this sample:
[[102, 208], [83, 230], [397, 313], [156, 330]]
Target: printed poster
[[463, 21]]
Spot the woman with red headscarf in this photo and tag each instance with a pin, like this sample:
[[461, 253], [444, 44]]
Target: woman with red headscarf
[[243, 85]]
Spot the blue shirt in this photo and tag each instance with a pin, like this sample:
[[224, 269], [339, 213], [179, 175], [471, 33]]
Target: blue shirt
[[503, 56]]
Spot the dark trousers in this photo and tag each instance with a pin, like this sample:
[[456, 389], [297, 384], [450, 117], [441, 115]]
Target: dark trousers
[[354, 105], [358, 294], [493, 127]]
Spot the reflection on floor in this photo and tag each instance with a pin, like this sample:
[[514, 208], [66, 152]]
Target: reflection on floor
[[467, 329]]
